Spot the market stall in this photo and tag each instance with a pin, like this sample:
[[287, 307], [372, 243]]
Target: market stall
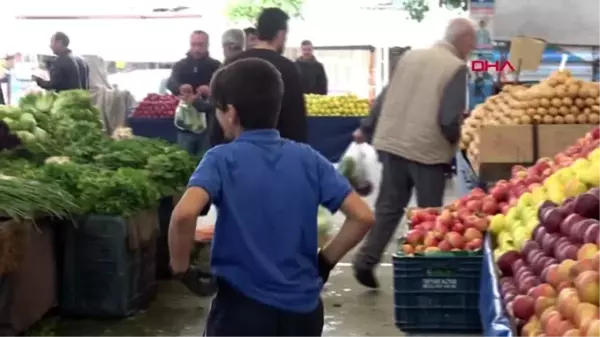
[[331, 120], [539, 258]]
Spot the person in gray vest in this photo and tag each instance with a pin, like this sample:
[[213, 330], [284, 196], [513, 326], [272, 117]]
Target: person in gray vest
[[416, 136]]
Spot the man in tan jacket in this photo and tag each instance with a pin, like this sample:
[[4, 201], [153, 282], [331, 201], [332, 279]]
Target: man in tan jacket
[[416, 135]]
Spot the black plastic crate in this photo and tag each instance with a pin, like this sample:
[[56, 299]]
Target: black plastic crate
[[437, 294]]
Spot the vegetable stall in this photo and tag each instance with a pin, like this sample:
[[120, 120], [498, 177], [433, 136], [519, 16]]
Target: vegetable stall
[[331, 120], [97, 194]]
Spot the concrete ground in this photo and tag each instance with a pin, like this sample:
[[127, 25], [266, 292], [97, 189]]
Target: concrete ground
[[351, 310]]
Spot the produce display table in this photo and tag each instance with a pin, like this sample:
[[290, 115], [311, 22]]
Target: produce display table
[[328, 135], [494, 320]]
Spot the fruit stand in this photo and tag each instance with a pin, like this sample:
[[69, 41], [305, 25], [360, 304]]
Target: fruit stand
[[331, 120], [539, 257]]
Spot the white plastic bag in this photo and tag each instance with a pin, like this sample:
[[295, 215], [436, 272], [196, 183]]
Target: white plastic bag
[[355, 166]]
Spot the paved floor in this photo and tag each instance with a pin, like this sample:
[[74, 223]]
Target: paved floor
[[351, 310]]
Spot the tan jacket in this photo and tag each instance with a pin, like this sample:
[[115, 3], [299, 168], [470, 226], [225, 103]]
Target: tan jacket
[[408, 125]]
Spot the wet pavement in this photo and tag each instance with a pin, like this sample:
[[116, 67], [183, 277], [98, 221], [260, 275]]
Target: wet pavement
[[350, 310]]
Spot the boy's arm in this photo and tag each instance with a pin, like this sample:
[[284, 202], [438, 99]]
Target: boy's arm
[[204, 185], [336, 194]]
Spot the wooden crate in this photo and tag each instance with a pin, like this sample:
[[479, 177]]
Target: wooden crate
[[553, 139]]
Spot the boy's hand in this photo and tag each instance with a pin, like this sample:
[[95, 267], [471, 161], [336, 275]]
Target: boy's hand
[[325, 267], [200, 283]]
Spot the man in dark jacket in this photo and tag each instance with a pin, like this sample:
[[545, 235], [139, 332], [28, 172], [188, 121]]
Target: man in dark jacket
[[314, 79], [196, 69], [68, 72], [193, 73]]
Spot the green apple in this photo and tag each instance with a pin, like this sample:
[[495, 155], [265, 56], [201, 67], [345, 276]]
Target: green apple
[[497, 223]]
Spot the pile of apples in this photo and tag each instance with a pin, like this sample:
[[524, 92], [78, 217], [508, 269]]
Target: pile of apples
[[551, 285], [515, 225], [456, 227], [157, 106]]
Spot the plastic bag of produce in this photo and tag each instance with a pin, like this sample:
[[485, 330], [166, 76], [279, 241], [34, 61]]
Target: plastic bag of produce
[[189, 119], [324, 224], [355, 167]]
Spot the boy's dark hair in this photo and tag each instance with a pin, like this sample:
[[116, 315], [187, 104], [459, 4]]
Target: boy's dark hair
[[270, 22], [201, 32], [250, 31], [254, 87], [306, 43], [62, 38]]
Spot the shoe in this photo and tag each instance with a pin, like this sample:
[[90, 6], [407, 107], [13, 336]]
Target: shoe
[[366, 277]]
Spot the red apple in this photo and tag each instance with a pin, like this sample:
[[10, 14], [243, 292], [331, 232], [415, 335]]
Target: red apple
[[415, 237], [455, 239], [474, 244], [474, 205]]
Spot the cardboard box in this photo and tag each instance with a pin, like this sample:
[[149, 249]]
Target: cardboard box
[[553, 139], [506, 144]]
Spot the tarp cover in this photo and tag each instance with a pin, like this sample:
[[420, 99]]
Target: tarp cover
[[113, 103]]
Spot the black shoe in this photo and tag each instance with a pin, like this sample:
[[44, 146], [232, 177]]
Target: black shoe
[[366, 277]]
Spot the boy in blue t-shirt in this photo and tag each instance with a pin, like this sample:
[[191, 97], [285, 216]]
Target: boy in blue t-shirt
[[267, 190]]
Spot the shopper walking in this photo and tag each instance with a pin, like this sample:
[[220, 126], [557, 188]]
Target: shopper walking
[[314, 78], [416, 135], [67, 72]]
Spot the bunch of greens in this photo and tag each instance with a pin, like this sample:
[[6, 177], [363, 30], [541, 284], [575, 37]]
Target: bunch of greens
[[124, 192], [23, 199], [171, 170], [133, 152]]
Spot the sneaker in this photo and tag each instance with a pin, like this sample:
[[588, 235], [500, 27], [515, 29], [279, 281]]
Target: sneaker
[[366, 277]]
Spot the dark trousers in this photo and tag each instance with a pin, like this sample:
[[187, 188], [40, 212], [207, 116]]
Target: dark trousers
[[398, 178], [193, 143], [233, 314]]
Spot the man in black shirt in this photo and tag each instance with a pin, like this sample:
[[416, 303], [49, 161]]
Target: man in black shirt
[[314, 78], [196, 69], [272, 33], [67, 71], [251, 37]]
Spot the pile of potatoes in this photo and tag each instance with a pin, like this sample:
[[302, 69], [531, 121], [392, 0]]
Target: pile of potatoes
[[559, 99]]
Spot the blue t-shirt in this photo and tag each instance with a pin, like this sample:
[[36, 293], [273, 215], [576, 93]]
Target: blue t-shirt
[[267, 190]]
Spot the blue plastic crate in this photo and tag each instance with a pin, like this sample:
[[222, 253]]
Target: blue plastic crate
[[437, 294]]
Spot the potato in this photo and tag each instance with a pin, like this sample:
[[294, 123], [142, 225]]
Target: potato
[[583, 92], [590, 101], [560, 91], [571, 82], [597, 100], [556, 102], [574, 110], [552, 81], [567, 101], [580, 102], [544, 102], [570, 119], [559, 120], [534, 103], [536, 118], [524, 120], [542, 111], [595, 109], [531, 111], [594, 118], [563, 110], [582, 119], [552, 111], [572, 91], [587, 111], [547, 119]]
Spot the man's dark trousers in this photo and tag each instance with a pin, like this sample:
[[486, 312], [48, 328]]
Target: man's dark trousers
[[234, 314], [398, 178]]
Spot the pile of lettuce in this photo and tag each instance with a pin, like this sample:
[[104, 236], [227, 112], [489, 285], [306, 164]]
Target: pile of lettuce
[[63, 144]]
